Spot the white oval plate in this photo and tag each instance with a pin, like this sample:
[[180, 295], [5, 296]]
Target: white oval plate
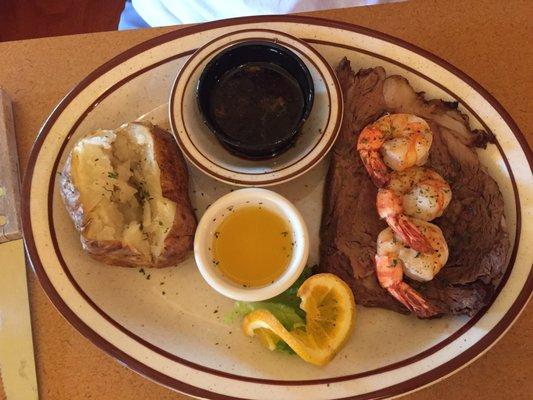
[[203, 149], [168, 324]]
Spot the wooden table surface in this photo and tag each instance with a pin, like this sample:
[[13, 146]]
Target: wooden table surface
[[488, 39]]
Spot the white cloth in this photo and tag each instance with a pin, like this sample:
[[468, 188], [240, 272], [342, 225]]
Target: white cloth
[[173, 12]]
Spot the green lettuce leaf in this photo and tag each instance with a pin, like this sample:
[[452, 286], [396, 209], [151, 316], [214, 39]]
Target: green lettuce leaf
[[283, 347], [285, 307]]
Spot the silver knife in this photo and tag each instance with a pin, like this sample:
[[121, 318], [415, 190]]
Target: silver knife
[[17, 362]]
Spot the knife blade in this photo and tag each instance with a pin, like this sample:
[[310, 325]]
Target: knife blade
[[17, 362]]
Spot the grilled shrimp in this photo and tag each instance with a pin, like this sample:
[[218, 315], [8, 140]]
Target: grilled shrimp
[[416, 192], [397, 141], [393, 259]]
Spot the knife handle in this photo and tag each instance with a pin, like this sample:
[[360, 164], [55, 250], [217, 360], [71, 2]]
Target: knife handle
[[10, 227]]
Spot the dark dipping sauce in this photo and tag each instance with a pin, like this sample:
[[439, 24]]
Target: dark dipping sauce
[[257, 104]]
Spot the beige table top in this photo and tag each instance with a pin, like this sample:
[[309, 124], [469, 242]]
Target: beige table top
[[490, 40]]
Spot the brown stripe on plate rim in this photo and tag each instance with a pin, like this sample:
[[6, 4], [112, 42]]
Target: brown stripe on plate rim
[[285, 178], [162, 352], [402, 387]]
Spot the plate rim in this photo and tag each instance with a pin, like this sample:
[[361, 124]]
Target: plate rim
[[419, 381]]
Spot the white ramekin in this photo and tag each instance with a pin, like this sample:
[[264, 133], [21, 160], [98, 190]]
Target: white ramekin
[[211, 220]]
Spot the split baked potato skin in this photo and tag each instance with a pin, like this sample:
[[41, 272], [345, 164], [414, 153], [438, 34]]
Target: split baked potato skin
[[71, 196], [175, 186], [174, 182]]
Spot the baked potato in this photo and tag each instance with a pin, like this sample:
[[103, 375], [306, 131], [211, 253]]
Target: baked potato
[[126, 191]]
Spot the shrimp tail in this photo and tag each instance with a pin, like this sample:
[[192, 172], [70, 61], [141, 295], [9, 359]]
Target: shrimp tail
[[411, 299], [376, 168], [409, 233], [390, 274]]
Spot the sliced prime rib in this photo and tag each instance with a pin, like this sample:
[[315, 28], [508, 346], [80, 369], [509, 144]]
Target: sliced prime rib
[[473, 224]]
